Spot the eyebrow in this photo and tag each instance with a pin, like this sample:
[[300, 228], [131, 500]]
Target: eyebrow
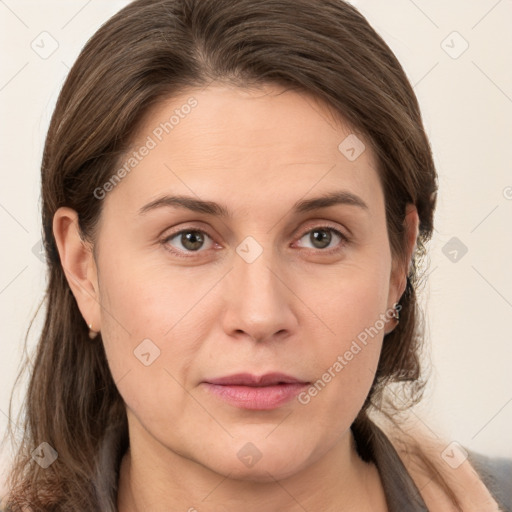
[[212, 208]]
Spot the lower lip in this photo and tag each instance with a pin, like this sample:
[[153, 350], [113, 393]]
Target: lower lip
[[257, 398]]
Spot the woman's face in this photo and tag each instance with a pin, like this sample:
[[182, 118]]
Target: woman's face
[[189, 295]]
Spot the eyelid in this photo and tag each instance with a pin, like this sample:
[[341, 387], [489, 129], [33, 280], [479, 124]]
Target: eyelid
[[319, 224], [311, 225], [165, 239]]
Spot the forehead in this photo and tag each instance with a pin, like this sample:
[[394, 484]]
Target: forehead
[[269, 116], [223, 141]]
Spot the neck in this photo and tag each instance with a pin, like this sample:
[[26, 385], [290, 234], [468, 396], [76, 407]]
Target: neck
[[155, 478]]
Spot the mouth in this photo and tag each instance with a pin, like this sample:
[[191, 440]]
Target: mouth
[[264, 392]]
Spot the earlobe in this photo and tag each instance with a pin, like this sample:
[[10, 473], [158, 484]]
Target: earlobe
[[78, 263]]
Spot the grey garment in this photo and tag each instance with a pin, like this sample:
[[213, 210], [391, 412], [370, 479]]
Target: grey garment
[[496, 473], [399, 488], [401, 492]]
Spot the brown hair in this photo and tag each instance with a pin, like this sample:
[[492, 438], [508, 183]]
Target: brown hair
[[147, 52]]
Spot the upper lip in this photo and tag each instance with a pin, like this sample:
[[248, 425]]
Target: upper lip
[[248, 379]]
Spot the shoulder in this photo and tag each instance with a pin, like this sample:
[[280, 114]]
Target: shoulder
[[496, 474], [477, 483]]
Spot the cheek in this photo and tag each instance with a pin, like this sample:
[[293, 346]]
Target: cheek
[[143, 324], [353, 312], [346, 368], [349, 300], [142, 298]]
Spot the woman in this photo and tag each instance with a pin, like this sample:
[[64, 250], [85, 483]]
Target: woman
[[204, 347]]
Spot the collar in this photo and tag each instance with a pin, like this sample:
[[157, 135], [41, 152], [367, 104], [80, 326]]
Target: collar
[[371, 443], [373, 446]]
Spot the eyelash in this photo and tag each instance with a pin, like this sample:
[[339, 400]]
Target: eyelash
[[333, 250]]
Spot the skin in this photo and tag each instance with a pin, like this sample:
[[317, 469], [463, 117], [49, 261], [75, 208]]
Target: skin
[[294, 309]]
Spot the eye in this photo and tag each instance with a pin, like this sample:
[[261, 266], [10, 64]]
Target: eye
[[190, 240], [322, 236]]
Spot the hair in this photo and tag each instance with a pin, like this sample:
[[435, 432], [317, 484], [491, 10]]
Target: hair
[[145, 54]]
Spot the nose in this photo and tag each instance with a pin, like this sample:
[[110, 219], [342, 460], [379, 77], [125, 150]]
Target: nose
[[259, 301]]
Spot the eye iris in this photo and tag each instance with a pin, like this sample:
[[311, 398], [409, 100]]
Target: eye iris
[[192, 240], [325, 236]]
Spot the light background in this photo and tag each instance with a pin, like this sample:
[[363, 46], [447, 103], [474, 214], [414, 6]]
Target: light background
[[467, 108]]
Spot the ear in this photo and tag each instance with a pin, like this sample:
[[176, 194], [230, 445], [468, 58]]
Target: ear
[[79, 266], [399, 273]]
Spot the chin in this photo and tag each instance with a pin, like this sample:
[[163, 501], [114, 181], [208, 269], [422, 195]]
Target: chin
[[261, 472], [260, 461]]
